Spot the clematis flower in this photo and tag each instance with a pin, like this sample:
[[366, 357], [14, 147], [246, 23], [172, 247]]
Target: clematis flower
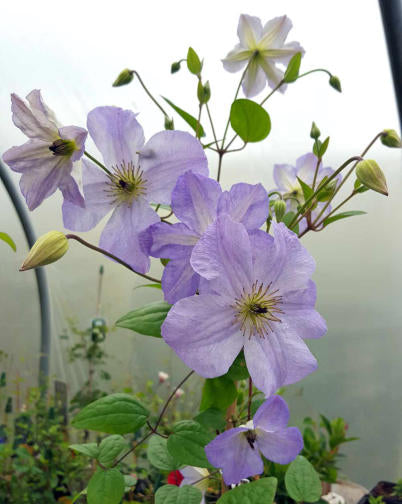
[[46, 160], [140, 174], [196, 201], [256, 294], [261, 48], [286, 176], [192, 475], [237, 451]]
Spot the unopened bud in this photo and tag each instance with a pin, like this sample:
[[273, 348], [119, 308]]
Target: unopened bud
[[203, 92], [371, 175], [314, 132], [335, 83], [280, 209], [124, 77], [175, 67], [162, 376], [47, 249], [390, 138], [169, 124], [179, 392]]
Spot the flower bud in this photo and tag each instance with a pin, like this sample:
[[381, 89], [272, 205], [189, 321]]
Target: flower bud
[[179, 392], [124, 77], [371, 175], [169, 124], [47, 249], [280, 209], [203, 92], [390, 138], [335, 83], [162, 376], [175, 67], [314, 132]]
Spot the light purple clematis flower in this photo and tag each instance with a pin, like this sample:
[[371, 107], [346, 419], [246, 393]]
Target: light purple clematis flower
[[237, 451], [46, 160], [139, 175], [256, 295], [285, 177], [261, 48], [196, 201]]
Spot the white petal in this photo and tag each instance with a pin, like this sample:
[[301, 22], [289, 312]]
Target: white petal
[[273, 74], [249, 31], [254, 80], [275, 32], [236, 59], [30, 123]]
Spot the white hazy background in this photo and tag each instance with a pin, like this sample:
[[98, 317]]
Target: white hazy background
[[73, 52]]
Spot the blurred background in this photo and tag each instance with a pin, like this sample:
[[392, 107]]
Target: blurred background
[[74, 51]]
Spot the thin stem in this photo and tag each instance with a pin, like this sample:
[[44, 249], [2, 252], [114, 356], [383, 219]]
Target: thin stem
[[315, 70], [197, 129], [136, 445], [275, 192], [218, 177], [150, 95], [212, 125], [205, 477], [88, 155], [236, 150], [250, 395], [108, 254]]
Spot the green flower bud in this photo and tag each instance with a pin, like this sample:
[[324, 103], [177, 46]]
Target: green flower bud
[[335, 83], [390, 138], [175, 67], [47, 249], [169, 124], [327, 192], [124, 77], [280, 209], [314, 132], [370, 175], [203, 92]]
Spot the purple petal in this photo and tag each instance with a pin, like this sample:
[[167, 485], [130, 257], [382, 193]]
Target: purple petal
[[27, 156], [224, 253], [231, 452], [171, 241], [165, 157], [97, 201], [34, 126], [117, 134], [306, 166], [40, 109], [79, 135], [281, 446], [285, 177], [245, 203], [201, 330], [179, 280], [194, 201], [272, 415], [70, 191], [121, 235]]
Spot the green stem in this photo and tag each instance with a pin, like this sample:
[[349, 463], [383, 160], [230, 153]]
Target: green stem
[[197, 129], [220, 153], [88, 155], [315, 70], [150, 95], [212, 125]]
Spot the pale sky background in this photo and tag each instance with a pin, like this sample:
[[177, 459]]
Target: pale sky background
[[74, 51]]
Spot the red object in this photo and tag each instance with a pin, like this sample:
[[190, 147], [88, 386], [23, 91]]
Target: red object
[[175, 478]]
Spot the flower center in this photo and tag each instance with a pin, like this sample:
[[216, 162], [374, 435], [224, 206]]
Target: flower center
[[257, 310], [62, 147], [251, 438], [126, 183]]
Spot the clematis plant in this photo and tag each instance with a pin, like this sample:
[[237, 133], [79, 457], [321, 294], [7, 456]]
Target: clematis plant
[[237, 300]]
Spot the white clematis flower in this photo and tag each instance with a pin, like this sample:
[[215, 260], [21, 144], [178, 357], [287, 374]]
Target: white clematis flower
[[261, 48]]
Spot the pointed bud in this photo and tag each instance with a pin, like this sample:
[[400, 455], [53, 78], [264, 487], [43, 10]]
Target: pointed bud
[[203, 92], [335, 83], [175, 67], [314, 132], [280, 209], [169, 124], [371, 176], [390, 138], [124, 77], [179, 392], [162, 376], [47, 249]]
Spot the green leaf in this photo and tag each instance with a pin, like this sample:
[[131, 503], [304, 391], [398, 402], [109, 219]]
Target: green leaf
[[255, 405], [7, 238], [110, 448], [186, 443], [323, 148], [89, 449], [151, 286], [190, 120], [261, 491], [302, 481], [287, 219], [238, 370], [171, 494], [342, 215], [307, 190], [292, 70], [158, 455], [193, 61], [106, 487], [129, 481], [218, 393], [114, 414], [326, 423], [212, 419], [249, 120], [146, 320]]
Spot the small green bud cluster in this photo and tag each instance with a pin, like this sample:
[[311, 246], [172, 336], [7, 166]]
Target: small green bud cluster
[[124, 77]]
